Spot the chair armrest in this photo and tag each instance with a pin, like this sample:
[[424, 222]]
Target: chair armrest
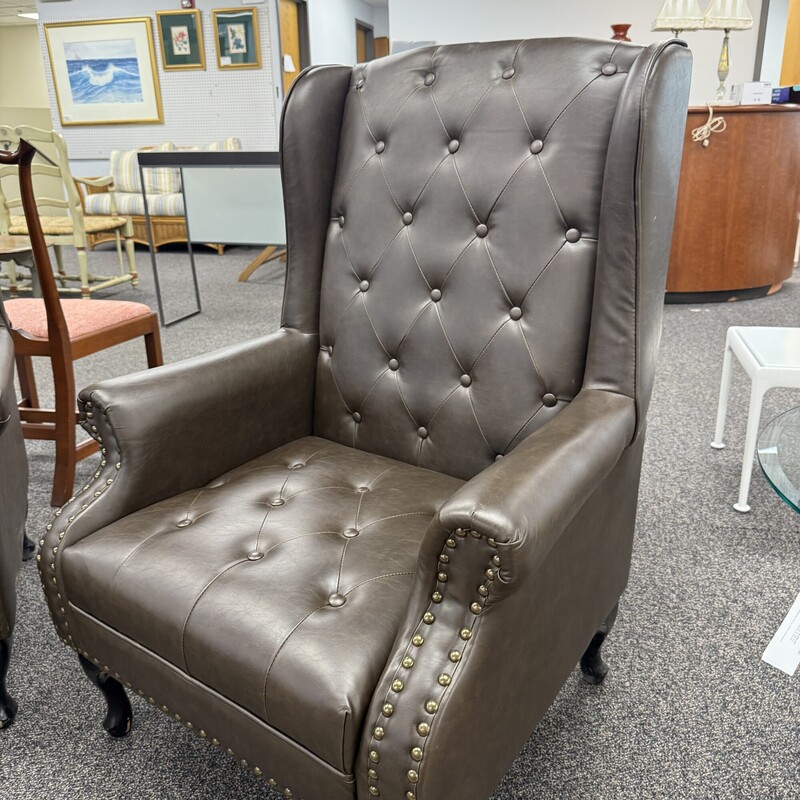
[[492, 623], [526, 499], [94, 185], [105, 180], [173, 428]]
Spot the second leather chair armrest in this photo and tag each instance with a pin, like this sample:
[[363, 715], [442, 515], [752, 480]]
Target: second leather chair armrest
[[527, 498], [166, 430]]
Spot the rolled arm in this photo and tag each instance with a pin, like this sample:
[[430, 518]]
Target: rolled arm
[[527, 498], [483, 589], [166, 430]]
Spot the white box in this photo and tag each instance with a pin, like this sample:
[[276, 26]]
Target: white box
[[757, 93]]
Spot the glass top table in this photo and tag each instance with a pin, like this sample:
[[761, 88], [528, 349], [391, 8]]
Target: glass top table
[[779, 456]]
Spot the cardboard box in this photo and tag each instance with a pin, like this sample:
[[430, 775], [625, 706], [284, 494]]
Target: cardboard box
[[757, 93]]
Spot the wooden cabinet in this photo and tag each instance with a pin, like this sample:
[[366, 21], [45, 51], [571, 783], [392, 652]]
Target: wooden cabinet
[[736, 221]]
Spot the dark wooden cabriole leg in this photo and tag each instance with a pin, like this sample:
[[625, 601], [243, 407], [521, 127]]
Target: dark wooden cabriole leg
[[593, 668], [28, 548], [8, 707], [119, 717]]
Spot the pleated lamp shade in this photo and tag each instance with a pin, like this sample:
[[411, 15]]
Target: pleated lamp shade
[[679, 15], [731, 15]]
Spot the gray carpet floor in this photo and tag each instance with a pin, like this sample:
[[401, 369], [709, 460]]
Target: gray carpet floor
[[688, 710]]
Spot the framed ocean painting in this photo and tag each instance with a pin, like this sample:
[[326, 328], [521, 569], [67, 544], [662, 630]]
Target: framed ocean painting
[[104, 71], [181, 37], [236, 34]]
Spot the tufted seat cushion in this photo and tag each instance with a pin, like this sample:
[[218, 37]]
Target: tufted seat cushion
[[82, 317], [292, 571]]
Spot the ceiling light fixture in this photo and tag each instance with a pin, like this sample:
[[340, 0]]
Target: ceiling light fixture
[[28, 14]]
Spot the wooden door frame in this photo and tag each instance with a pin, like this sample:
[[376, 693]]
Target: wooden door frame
[[370, 31], [302, 35]]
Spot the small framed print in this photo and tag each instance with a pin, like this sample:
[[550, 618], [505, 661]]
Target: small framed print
[[236, 34], [181, 37]]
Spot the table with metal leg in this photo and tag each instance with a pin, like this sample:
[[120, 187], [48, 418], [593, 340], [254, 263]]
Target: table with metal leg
[[771, 359], [228, 198]]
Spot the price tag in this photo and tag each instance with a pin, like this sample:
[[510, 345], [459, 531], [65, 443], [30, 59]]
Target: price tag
[[783, 652]]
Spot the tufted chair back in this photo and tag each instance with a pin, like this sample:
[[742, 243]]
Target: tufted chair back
[[465, 236]]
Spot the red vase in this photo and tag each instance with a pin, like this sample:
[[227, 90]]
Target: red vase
[[620, 32]]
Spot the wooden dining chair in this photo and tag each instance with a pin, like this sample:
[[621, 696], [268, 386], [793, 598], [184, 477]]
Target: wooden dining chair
[[63, 331]]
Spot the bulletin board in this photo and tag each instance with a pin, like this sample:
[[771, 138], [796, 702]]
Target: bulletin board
[[200, 106]]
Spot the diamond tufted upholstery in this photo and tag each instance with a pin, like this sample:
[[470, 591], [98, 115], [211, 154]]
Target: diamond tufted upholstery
[[347, 523], [478, 238], [13, 506], [487, 231]]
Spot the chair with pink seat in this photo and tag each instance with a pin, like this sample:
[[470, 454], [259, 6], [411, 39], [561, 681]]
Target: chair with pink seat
[[64, 331]]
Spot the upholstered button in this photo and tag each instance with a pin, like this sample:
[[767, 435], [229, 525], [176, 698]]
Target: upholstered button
[[454, 145], [356, 416], [337, 600], [296, 466], [393, 364], [429, 79], [278, 501], [341, 222], [364, 285], [359, 83], [481, 230], [422, 433], [466, 380], [573, 234], [254, 556], [436, 295], [536, 146], [498, 457], [362, 489], [508, 73], [330, 349], [549, 399], [408, 218], [380, 147], [350, 533], [515, 313], [609, 69], [184, 522]]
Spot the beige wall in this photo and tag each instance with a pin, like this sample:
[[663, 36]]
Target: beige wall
[[22, 68]]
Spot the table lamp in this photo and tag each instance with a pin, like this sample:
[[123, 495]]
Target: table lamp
[[677, 16], [726, 15]]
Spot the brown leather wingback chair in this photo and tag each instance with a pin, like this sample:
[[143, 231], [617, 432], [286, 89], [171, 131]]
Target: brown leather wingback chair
[[343, 552], [13, 509]]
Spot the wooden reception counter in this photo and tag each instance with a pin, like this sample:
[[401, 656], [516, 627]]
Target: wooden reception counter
[[736, 220]]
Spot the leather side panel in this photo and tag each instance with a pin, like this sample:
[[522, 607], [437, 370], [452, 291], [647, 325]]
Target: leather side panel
[[310, 126]]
